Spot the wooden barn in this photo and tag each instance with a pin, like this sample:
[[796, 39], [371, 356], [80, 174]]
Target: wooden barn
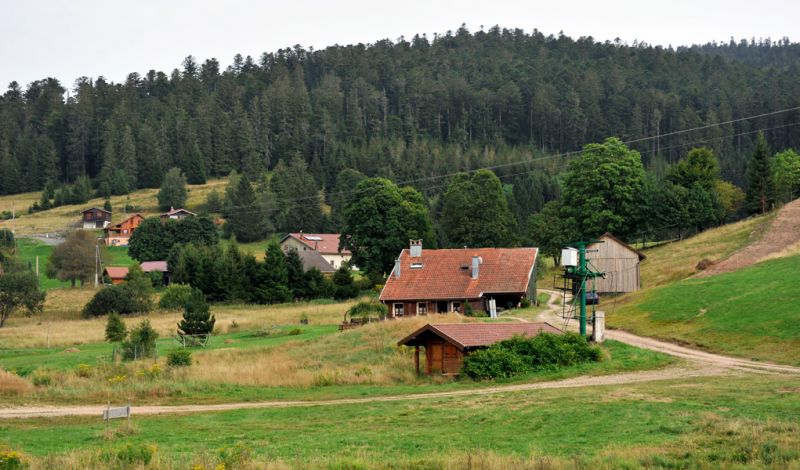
[[619, 261], [446, 345]]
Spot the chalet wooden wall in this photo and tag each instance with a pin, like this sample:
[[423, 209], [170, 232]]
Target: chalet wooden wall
[[619, 262]]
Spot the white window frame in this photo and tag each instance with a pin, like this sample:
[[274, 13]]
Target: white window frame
[[453, 306], [395, 309], [424, 307]]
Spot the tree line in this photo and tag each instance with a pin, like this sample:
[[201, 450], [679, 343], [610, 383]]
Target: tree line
[[403, 110]]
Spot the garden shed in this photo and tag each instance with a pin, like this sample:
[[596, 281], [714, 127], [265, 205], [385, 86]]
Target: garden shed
[[619, 261], [446, 345]]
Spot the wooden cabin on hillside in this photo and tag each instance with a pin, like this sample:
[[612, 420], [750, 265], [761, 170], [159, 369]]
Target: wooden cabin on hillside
[[120, 234], [446, 345], [94, 218], [619, 261]]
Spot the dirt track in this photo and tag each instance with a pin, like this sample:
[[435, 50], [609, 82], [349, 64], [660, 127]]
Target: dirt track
[[699, 364], [784, 231]]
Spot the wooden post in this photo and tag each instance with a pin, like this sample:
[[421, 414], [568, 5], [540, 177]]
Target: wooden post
[[416, 358]]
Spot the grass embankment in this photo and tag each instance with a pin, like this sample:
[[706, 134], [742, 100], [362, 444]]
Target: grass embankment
[[751, 312], [709, 423], [66, 217]]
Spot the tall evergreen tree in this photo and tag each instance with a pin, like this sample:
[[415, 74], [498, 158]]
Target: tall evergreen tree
[[760, 185]]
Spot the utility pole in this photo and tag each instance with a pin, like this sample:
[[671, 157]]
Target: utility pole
[[581, 271]]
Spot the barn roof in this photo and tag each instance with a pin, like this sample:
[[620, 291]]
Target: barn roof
[[154, 266], [116, 272], [313, 259], [473, 335], [325, 243], [612, 237], [447, 274]]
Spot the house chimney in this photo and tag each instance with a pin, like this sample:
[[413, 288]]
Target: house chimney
[[397, 268], [476, 265], [415, 247]]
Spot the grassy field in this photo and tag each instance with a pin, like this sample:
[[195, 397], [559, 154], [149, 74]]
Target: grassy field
[[708, 423], [751, 312], [66, 217]]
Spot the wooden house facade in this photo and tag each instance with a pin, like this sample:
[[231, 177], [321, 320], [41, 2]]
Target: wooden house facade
[[619, 261], [446, 345], [120, 234], [94, 218]]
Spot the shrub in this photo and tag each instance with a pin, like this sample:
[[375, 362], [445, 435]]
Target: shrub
[[545, 351], [179, 358], [493, 363], [41, 378], [117, 298], [130, 455], [175, 297], [368, 309], [141, 342], [525, 303], [11, 460], [84, 371], [295, 332]]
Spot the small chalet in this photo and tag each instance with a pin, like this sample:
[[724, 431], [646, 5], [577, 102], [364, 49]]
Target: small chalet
[[94, 218], [619, 261], [440, 281], [326, 245], [447, 344], [177, 214], [157, 267], [116, 274], [119, 234]]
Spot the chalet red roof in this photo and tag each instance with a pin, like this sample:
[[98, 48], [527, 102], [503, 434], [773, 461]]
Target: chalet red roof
[[447, 274], [474, 335], [325, 243]]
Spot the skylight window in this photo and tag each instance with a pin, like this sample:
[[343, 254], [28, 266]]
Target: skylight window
[[416, 265], [313, 239]]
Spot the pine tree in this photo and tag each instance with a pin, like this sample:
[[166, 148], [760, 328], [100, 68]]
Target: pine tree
[[760, 187], [296, 275], [273, 277], [116, 331], [197, 318]]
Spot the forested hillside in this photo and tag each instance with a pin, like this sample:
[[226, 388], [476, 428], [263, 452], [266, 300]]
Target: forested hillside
[[403, 109]]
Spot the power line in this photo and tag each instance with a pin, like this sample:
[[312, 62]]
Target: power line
[[437, 185]]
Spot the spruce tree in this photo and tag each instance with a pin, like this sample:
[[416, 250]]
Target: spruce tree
[[115, 328], [760, 185], [197, 318], [173, 190]]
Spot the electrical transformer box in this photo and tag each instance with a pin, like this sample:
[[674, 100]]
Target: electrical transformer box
[[569, 257]]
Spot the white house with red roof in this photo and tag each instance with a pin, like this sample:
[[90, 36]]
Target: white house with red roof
[[326, 245], [440, 281]]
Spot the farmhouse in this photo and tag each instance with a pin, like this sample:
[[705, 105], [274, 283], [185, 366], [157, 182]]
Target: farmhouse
[[326, 245], [447, 344], [94, 218], [116, 274], [440, 281], [176, 214], [619, 261], [119, 234]]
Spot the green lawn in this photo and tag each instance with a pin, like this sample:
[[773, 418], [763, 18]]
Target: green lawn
[[752, 312], [708, 423]]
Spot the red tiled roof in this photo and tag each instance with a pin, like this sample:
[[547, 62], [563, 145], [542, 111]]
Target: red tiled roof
[[325, 243], [157, 266], [116, 272], [473, 335], [443, 276]]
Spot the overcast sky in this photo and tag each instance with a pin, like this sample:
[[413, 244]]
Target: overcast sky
[[69, 39]]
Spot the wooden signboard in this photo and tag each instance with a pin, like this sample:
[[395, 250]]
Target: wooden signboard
[[115, 413]]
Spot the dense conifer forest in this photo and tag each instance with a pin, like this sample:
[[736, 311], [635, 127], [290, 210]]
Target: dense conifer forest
[[305, 126]]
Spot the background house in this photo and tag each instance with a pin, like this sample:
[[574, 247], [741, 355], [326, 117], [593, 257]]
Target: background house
[[157, 267], [438, 281], [94, 218], [324, 244], [177, 214], [619, 261], [446, 345], [119, 234], [116, 274]]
